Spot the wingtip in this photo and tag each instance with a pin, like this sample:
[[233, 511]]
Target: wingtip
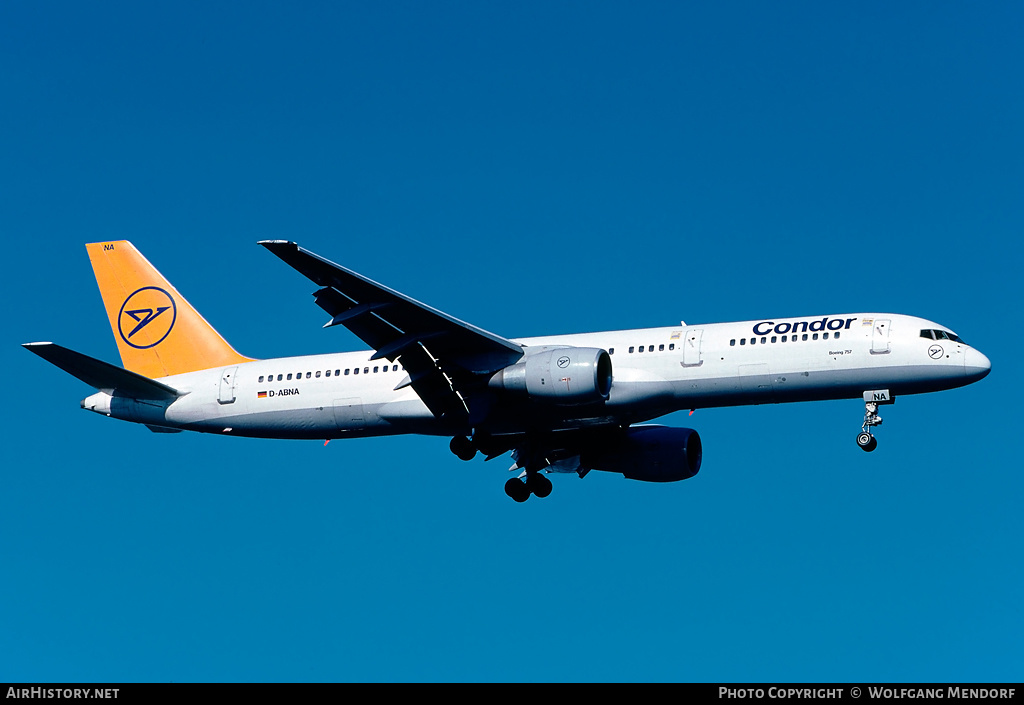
[[269, 243]]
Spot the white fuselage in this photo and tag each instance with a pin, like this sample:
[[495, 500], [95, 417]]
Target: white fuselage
[[655, 371]]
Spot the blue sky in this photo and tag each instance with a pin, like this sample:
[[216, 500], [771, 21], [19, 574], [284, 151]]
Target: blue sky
[[538, 168]]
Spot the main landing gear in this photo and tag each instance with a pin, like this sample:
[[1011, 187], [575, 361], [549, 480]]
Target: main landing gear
[[535, 483], [534, 461], [530, 482], [865, 439]]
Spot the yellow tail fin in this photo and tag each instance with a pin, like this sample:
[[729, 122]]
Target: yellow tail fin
[[158, 333]]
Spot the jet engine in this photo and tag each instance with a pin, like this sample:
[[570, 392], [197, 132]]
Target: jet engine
[[568, 376], [648, 453]]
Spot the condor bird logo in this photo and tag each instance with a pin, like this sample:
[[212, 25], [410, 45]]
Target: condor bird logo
[[146, 317]]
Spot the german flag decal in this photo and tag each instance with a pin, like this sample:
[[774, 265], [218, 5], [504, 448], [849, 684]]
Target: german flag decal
[[261, 395]]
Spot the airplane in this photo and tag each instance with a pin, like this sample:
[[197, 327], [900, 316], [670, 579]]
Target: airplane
[[559, 404]]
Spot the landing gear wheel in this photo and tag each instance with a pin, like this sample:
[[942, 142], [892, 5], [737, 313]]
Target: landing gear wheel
[[872, 398], [463, 448], [517, 489], [866, 441], [539, 485]]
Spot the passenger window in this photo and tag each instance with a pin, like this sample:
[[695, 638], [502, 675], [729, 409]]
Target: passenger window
[[289, 375], [743, 341], [309, 375], [671, 346], [279, 377], [631, 348], [774, 339], [733, 342], [318, 373], [355, 370], [661, 348], [805, 336], [650, 348], [836, 335], [327, 374], [366, 370], [814, 337], [376, 370], [261, 378], [611, 351], [641, 349], [824, 336], [337, 373], [346, 371], [394, 368], [783, 339], [764, 340], [753, 341]]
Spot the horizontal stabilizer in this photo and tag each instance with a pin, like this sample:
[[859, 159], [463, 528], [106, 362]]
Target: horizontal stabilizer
[[102, 375]]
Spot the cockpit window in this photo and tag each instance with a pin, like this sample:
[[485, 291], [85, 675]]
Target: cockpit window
[[942, 335]]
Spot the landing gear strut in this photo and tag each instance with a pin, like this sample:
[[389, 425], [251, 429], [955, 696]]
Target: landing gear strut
[[865, 439]]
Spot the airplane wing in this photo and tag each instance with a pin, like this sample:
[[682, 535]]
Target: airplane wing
[[441, 354]]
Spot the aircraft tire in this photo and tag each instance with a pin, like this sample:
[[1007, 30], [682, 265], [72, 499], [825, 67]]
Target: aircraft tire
[[462, 447], [517, 489], [867, 442], [539, 485]]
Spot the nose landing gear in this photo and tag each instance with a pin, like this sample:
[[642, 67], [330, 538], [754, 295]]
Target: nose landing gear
[[865, 439]]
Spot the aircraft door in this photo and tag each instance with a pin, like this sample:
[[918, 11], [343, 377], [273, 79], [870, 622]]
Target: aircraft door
[[227, 386], [348, 413], [756, 382], [692, 354], [880, 337]]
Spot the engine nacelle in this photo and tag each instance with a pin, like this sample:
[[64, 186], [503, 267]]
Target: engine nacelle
[[562, 376], [648, 453]]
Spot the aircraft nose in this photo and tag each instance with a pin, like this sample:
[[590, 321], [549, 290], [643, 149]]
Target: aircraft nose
[[976, 365]]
